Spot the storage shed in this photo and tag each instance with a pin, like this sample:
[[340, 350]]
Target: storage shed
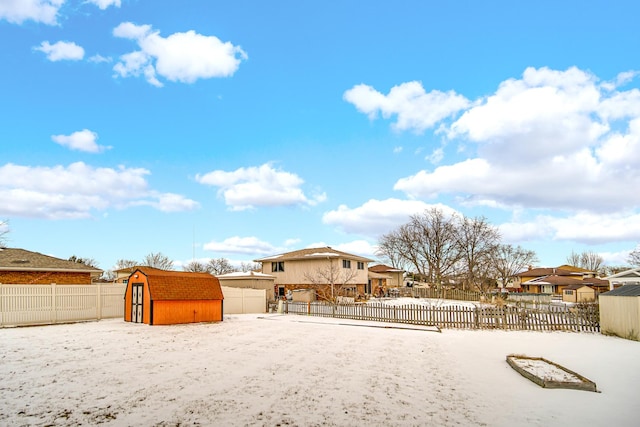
[[250, 279], [159, 297], [620, 312], [578, 293]]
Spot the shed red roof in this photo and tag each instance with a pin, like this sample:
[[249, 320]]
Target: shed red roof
[[180, 285]]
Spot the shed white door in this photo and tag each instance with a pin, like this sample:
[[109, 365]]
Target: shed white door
[[136, 303]]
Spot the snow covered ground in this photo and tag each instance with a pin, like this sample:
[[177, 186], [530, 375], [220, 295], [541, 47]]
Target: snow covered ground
[[302, 371]]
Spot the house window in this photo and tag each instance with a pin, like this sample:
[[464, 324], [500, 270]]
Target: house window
[[568, 292], [360, 265], [277, 266], [346, 263]]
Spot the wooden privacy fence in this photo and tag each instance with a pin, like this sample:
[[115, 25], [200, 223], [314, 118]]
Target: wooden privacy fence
[[455, 294], [48, 304], [577, 319], [462, 295]]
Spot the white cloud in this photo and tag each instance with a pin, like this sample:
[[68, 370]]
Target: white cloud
[[621, 80], [18, 11], [168, 202], [180, 57], [544, 141], [414, 108], [242, 245], [376, 217], [358, 247], [291, 242], [436, 156], [246, 188], [77, 190], [84, 140], [615, 258], [97, 59], [60, 51], [103, 4], [583, 227]]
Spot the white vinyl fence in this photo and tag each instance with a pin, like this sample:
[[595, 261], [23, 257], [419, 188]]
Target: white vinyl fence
[[48, 304]]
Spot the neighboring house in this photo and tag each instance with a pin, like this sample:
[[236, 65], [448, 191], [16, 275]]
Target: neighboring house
[[578, 293], [555, 280], [620, 312], [122, 275], [627, 277], [396, 275], [378, 284], [159, 297], [331, 273], [19, 266]]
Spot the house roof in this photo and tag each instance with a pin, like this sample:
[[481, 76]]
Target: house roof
[[567, 280], [381, 268], [554, 280], [14, 259], [575, 269], [313, 253], [633, 273], [374, 275], [546, 271], [624, 291], [237, 275], [180, 285]]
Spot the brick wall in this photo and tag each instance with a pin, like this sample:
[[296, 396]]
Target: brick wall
[[44, 278]]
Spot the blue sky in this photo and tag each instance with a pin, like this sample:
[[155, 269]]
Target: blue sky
[[242, 129]]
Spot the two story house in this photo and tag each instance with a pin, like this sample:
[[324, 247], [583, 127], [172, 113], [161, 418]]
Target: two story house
[[327, 271]]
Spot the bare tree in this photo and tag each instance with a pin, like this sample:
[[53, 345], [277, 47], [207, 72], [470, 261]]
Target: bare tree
[[4, 230], [331, 274], [588, 260], [390, 250], [476, 240], [218, 266], [573, 259], [250, 266], [634, 257], [196, 267], [121, 264], [89, 262], [509, 260], [158, 260], [436, 244]]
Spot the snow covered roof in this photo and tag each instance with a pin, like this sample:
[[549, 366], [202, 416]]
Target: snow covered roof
[[244, 275], [303, 254]]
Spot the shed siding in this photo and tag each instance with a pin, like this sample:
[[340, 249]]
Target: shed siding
[[146, 298], [620, 316], [172, 312]]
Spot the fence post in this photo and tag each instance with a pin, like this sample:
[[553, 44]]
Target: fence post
[[54, 309], [99, 302], [1, 306]]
